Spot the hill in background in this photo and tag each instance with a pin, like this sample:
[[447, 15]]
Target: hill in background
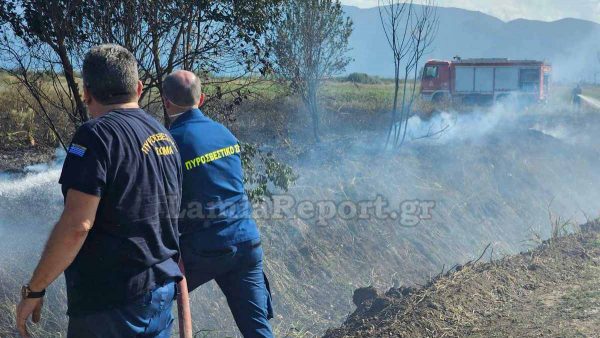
[[571, 45]]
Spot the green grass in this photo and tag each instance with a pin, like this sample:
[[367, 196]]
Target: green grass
[[335, 95], [264, 89], [365, 97]]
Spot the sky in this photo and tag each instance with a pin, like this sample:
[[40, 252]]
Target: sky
[[545, 10]]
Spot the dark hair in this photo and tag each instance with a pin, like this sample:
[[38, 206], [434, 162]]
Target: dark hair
[[110, 74], [180, 92]]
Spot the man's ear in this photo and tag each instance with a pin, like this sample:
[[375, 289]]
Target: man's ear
[[87, 98], [202, 99], [166, 102], [140, 88]]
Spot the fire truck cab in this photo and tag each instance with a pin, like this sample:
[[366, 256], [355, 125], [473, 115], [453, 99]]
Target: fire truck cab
[[484, 80]]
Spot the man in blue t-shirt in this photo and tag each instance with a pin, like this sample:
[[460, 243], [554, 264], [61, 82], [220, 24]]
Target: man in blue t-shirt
[[219, 240], [117, 240]]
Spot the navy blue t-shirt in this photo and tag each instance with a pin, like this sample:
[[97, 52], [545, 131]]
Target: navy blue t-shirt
[[130, 161], [214, 200]]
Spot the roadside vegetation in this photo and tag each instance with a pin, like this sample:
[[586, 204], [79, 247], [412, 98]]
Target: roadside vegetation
[[550, 290], [315, 269], [358, 100]]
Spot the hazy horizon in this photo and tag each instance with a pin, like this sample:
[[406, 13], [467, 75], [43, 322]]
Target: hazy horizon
[[509, 10]]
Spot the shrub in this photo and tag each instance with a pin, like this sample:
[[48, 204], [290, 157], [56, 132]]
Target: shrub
[[362, 78]]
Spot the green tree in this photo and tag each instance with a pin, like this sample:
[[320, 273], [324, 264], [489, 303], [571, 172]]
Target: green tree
[[222, 37], [45, 36], [310, 45], [42, 45]]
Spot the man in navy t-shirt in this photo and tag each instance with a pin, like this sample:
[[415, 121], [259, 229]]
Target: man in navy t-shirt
[[117, 240], [219, 240]]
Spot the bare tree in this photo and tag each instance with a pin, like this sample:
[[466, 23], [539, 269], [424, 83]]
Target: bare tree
[[311, 44], [410, 29]]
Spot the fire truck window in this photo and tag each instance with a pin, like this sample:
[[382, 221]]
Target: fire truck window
[[529, 80], [431, 72]]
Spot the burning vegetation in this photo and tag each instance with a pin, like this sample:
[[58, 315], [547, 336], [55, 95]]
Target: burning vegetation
[[440, 141]]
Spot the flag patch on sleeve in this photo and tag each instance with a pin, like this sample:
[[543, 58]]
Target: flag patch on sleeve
[[77, 150]]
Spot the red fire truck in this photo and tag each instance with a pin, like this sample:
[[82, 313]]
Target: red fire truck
[[484, 80]]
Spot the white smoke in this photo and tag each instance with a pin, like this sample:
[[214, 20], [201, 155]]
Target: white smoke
[[11, 187], [31, 203], [581, 63], [560, 131], [447, 126]]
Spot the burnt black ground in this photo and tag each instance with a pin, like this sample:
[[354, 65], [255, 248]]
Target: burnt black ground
[[19, 158]]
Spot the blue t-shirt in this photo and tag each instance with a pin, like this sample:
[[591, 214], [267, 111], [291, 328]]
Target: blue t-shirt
[[214, 200], [130, 161]]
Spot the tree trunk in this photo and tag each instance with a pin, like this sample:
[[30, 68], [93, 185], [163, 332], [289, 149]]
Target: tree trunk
[[71, 82], [393, 128], [159, 74], [314, 112], [315, 121]]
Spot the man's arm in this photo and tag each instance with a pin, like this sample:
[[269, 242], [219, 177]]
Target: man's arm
[[66, 238], [64, 243]]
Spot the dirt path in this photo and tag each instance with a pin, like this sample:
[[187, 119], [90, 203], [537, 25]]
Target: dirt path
[[552, 291]]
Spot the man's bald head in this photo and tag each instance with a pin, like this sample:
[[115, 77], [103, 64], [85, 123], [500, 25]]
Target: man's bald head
[[183, 88]]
